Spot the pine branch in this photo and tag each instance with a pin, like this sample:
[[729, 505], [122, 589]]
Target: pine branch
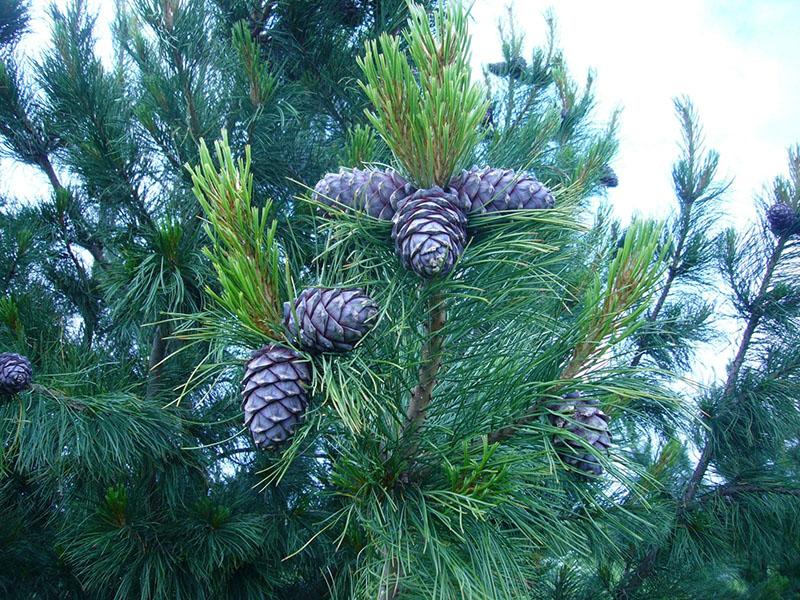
[[612, 314], [421, 396], [632, 580], [243, 248], [734, 489], [430, 362], [170, 8], [733, 375], [672, 271], [14, 17], [390, 586], [783, 192], [630, 583], [429, 114], [693, 175]]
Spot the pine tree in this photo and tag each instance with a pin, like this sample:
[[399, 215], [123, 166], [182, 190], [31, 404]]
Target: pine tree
[[730, 515], [440, 471], [510, 417]]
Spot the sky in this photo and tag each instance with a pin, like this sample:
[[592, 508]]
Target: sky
[[736, 59]]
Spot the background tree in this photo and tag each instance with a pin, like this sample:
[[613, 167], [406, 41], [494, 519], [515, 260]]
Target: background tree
[[731, 513]]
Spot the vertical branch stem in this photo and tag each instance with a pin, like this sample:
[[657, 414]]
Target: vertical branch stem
[[431, 361], [635, 577], [672, 272], [391, 580], [158, 351], [421, 396], [736, 367]]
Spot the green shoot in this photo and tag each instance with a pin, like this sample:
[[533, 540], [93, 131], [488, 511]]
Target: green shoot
[[428, 110], [243, 247]]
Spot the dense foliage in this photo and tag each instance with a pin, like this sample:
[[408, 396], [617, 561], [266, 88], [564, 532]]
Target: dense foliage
[[139, 286]]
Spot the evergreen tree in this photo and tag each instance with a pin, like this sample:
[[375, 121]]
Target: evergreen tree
[[471, 380], [731, 513], [447, 463]]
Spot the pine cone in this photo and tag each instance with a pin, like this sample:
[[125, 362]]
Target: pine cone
[[490, 190], [514, 69], [782, 219], [15, 373], [429, 231], [609, 178], [341, 189], [331, 320], [376, 192], [274, 392], [583, 419]]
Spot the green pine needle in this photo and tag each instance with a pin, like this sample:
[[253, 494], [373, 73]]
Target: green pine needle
[[243, 247], [428, 109]]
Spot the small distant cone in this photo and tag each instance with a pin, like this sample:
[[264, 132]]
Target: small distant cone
[[609, 177], [583, 419], [783, 219], [15, 373]]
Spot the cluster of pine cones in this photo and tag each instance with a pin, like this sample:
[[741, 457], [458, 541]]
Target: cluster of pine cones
[[429, 230], [429, 226], [277, 377]]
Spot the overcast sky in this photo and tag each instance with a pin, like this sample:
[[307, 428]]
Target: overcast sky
[[736, 59]]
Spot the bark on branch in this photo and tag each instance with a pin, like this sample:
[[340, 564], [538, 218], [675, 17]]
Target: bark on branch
[[416, 412], [636, 577], [430, 362], [733, 375]]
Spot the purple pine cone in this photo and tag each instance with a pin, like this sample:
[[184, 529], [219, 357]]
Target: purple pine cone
[[331, 320], [376, 192], [15, 373], [274, 394], [782, 219], [491, 190], [583, 419], [429, 231], [609, 178]]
